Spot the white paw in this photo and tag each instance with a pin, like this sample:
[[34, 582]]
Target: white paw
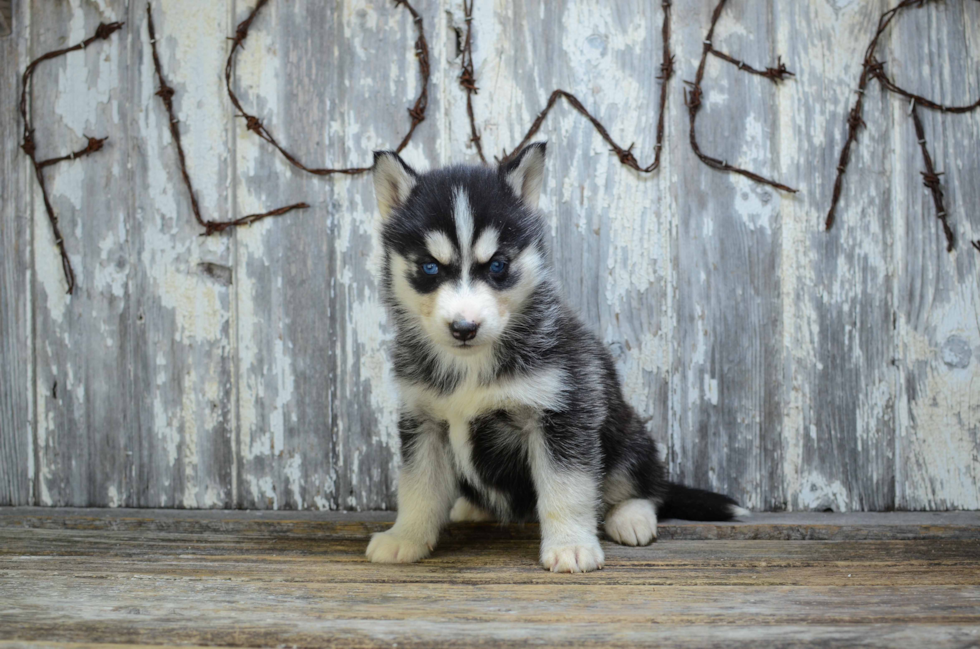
[[632, 522], [464, 510], [389, 547], [584, 557]]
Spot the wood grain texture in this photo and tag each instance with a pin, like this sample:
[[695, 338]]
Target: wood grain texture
[[288, 451], [839, 295], [86, 414], [937, 295], [317, 425], [183, 323], [311, 586], [16, 322], [726, 420], [790, 367]]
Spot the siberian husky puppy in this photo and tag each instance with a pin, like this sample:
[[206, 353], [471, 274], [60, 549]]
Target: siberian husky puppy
[[511, 408]]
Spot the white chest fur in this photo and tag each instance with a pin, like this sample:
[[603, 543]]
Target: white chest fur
[[540, 391]]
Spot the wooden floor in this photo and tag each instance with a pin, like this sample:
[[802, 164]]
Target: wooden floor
[[119, 577]]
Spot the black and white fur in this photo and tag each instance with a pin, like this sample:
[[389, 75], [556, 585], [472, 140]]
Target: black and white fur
[[512, 409]]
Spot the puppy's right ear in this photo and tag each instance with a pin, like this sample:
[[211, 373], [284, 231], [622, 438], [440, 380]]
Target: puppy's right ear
[[393, 181], [525, 173]]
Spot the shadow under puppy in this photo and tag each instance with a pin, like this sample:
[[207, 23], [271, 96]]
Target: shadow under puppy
[[511, 408]]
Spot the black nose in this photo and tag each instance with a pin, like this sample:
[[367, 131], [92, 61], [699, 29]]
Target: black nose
[[464, 330]]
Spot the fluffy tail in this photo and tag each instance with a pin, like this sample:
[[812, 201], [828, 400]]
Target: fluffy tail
[[692, 504]]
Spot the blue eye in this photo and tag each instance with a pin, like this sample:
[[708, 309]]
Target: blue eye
[[497, 266], [430, 268]]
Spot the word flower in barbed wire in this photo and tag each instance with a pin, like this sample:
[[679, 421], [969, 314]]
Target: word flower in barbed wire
[[873, 68]]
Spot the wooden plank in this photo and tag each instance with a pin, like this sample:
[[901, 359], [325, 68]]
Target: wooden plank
[[315, 587], [838, 286], [183, 413], [695, 636], [317, 400], [365, 399], [610, 227], [83, 345], [726, 424], [16, 331], [937, 293], [287, 451], [490, 559], [289, 606]]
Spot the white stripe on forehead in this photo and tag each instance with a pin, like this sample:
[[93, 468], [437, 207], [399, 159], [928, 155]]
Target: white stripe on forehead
[[440, 247], [463, 215], [486, 245]]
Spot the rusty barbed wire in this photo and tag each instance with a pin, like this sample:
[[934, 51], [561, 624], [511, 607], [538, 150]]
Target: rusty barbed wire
[[94, 144], [693, 98], [625, 155], [467, 78], [102, 32], [416, 113], [931, 179], [166, 94], [776, 74], [872, 68]]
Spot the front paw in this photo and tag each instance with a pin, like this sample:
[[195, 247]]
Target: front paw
[[582, 557], [390, 547]]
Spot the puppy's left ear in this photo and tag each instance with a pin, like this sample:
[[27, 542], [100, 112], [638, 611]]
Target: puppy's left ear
[[525, 173], [393, 181]]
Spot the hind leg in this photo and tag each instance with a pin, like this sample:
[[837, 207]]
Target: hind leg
[[466, 510], [632, 522]]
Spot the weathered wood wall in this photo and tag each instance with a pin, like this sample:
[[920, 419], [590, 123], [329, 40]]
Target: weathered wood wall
[[791, 367]]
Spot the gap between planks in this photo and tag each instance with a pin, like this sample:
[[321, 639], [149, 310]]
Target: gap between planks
[[763, 526]]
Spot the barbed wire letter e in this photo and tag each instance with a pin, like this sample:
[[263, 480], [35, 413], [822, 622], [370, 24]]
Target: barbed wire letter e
[[692, 98]]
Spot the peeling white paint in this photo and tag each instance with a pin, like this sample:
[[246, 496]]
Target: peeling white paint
[[47, 264], [817, 494], [294, 477], [711, 390], [283, 371], [76, 92]]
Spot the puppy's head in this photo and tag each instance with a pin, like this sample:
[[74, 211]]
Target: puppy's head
[[463, 246]]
